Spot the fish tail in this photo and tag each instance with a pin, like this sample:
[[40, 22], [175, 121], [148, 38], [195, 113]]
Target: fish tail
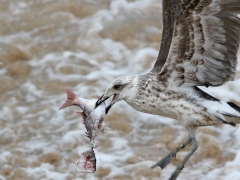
[[72, 99]]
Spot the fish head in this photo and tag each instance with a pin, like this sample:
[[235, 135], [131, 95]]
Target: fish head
[[87, 162], [122, 88], [90, 160]]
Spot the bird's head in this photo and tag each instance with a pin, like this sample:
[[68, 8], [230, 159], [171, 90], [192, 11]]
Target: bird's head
[[122, 88]]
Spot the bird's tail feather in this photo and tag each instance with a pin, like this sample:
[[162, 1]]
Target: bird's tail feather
[[234, 106], [230, 117]]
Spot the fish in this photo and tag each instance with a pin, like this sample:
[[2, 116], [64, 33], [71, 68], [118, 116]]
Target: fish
[[87, 105], [87, 162], [93, 118], [93, 123]]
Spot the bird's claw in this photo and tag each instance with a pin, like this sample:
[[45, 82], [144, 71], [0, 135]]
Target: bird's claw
[[165, 161]]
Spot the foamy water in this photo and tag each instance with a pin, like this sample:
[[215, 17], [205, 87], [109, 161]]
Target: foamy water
[[48, 45]]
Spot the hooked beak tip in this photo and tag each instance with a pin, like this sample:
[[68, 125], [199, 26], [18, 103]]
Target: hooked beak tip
[[101, 100], [97, 103]]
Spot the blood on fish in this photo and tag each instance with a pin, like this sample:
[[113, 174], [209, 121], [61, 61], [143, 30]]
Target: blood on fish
[[87, 162]]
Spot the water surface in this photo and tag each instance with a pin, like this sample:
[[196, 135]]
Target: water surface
[[48, 45]]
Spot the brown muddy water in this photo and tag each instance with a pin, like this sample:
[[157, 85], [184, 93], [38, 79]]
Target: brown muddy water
[[48, 45]]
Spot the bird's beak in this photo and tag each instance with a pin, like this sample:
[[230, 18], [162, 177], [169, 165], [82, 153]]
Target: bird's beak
[[104, 98], [114, 100], [108, 108], [101, 100]]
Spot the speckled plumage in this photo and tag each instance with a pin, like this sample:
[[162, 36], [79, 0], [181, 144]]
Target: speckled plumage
[[198, 48], [182, 104]]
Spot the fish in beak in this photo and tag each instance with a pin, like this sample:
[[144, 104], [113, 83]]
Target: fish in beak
[[103, 98]]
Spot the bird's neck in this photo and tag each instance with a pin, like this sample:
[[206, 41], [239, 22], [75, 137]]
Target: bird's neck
[[132, 91]]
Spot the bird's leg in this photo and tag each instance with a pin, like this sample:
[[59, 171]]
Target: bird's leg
[[166, 160], [181, 165]]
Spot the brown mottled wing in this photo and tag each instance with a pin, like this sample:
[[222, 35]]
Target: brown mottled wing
[[204, 45], [170, 9]]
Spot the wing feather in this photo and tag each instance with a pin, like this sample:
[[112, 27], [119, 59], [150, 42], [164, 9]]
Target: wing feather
[[170, 9], [205, 43]]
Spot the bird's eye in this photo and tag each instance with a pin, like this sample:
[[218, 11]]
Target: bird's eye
[[117, 86]]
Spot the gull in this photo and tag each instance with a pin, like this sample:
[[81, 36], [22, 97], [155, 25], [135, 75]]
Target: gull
[[200, 40]]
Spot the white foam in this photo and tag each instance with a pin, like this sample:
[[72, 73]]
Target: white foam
[[107, 59]]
